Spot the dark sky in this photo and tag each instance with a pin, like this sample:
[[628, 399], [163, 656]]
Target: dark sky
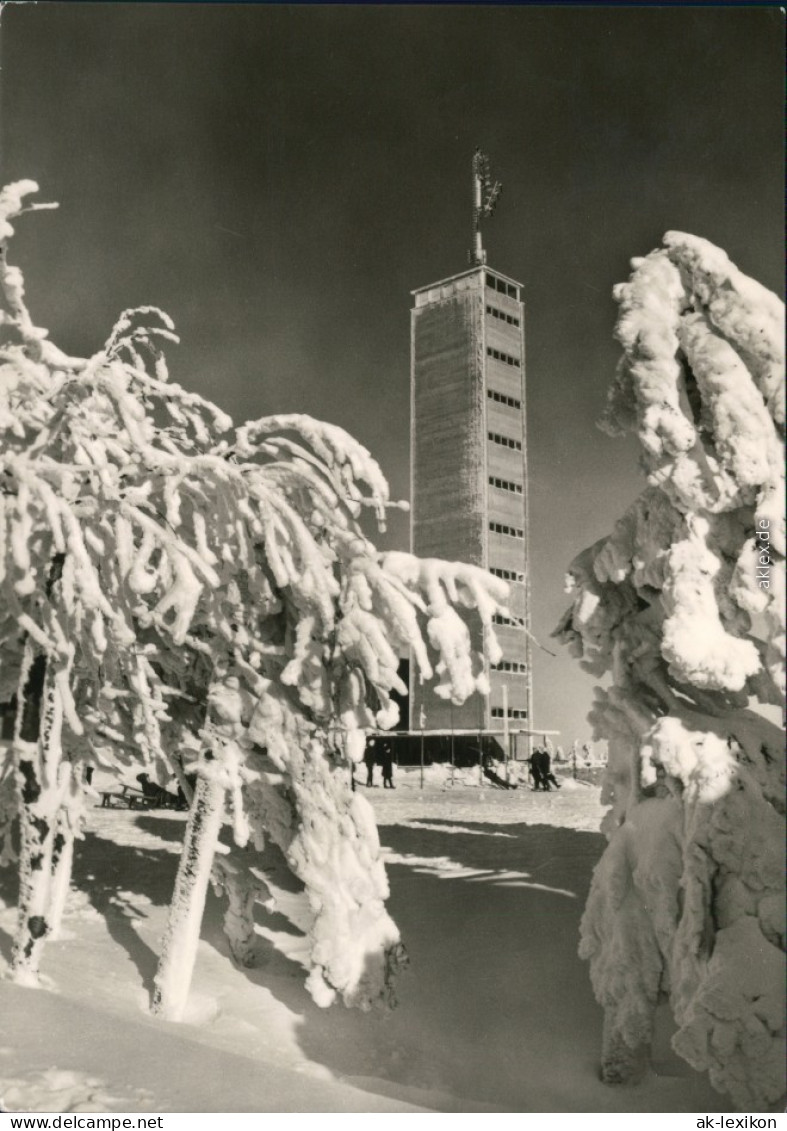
[[278, 178]]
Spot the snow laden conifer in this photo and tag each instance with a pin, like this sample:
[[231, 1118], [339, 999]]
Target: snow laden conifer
[[684, 606], [173, 585]]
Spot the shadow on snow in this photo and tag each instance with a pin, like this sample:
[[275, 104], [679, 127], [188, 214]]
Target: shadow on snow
[[496, 1006]]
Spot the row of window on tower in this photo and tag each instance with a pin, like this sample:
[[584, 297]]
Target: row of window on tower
[[501, 398], [498, 618], [504, 441], [510, 531], [504, 288], [509, 318], [510, 666], [507, 574], [513, 713], [498, 355], [505, 485]]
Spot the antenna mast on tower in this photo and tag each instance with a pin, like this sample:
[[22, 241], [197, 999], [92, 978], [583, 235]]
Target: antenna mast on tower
[[485, 196]]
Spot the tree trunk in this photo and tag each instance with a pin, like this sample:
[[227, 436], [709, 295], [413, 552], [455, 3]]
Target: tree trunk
[[243, 890], [70, 816], [37, 756], [62, 861], [239, 924], [183, 781], [621, 1064], [179, 948]]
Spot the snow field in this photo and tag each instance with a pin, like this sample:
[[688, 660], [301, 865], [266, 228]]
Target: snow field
[[495, 1011]]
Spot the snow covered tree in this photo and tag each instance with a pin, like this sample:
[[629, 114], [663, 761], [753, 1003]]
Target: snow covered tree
[[684, 606], [171, 583], [98, 587]]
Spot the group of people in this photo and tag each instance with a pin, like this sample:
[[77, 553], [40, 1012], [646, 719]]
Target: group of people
[[540, 763], [379, 752], [539, 768]]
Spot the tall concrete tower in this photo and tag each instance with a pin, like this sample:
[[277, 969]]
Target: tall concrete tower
[[468, 460]]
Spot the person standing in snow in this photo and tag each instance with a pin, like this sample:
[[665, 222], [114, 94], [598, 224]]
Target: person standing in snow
[[534, 767], [546, 771], [489, 771], [370, 758], [542, 770], [386, 761]]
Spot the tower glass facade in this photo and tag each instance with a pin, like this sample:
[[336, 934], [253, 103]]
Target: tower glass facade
[[468, 469]]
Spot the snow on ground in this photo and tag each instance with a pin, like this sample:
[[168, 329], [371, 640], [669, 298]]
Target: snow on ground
[[495, 1012]]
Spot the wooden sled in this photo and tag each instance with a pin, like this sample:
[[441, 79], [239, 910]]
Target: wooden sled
[[132, 798]]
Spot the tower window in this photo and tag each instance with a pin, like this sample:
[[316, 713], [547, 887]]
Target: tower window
[[498, 355], [511, 623], [505, 485], [509, 318], [496, 284], [501, 398], [510, 531], [505, 441], [508, 574]]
